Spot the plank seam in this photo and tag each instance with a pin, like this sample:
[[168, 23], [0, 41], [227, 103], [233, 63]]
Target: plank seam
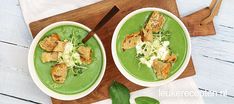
[[20, 98], [229, 27], [227, 61], [215, 92], [15, 44], [214, 39]]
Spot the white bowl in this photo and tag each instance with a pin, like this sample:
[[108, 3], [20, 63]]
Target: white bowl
[[35, 77], [128, 75]]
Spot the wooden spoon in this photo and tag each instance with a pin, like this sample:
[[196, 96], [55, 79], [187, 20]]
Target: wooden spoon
[[104, 20]]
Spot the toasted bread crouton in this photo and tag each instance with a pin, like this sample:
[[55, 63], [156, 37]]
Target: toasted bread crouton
[[59, 73], [131, 41], [49, 43], [147, 35], [85, 54], [171, 58], [49, 56], [161, 69], [60, 46], [155, 22]]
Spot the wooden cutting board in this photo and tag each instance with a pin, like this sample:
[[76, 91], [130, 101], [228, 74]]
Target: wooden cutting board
[[90, 16]]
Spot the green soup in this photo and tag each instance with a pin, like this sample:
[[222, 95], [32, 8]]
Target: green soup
[[73, 84], [178, 45]]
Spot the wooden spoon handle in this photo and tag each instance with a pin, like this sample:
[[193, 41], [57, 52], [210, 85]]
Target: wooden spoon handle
[[104, 20], [212, 4], [213, 13], [87, 37]]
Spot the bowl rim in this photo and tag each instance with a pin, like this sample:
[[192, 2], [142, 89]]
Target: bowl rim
[[35, 76], [128, 75]]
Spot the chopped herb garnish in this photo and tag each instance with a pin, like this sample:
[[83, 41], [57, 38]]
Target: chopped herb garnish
[[140, 55], [143, 46], [155, 53]]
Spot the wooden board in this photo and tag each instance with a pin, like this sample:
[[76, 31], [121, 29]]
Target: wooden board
[[90, 16]]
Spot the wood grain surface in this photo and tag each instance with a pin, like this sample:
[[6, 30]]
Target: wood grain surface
[[90, 16]]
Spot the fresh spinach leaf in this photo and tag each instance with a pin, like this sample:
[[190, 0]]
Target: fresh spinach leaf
[[146, 100], [119, 93]]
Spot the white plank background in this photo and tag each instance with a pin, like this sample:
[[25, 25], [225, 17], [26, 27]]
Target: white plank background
[[213, 56]]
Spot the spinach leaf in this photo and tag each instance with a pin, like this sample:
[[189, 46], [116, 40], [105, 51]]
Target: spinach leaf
[[146, 100], [119, 93]]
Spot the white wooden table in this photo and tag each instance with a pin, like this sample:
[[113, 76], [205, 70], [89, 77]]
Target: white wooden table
[[213, 56]]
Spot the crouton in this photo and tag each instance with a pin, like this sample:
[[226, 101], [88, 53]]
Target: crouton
[[85, 54], [147, 35], [131, 40], [49, 43], [49, 56], [60, 46], [59, 73], [155, 22], [171, 58], [161, 69]]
